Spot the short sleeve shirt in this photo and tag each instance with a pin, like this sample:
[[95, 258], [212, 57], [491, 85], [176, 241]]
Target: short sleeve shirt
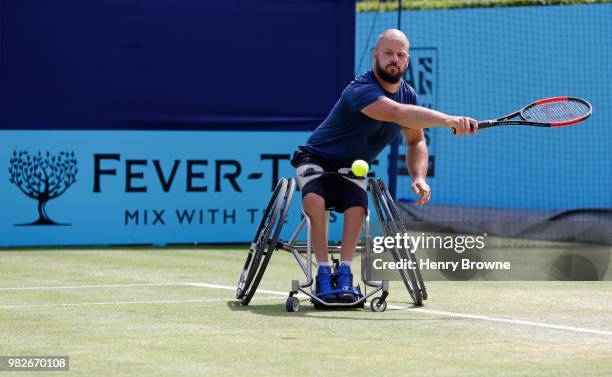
[[347, 134]]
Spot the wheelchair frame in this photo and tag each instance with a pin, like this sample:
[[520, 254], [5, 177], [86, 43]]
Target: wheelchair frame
[[266, 241]]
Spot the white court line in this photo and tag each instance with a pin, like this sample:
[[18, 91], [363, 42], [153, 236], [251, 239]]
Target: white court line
[[503, 320], [226, 287], [217, 286], [90, 286], [127, 302], [449, 314]]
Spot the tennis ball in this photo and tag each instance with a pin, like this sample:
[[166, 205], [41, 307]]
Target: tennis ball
[[360, 168]]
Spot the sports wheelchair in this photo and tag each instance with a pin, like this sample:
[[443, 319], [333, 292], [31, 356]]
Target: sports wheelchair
[[266, 241]]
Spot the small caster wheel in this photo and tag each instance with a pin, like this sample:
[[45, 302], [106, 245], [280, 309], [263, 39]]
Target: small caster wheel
[[292, 304], [378, 306]]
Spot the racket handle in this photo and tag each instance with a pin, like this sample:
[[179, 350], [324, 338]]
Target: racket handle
[[485, 124]]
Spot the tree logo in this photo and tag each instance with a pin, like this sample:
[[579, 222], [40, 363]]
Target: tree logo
[[43, 177]]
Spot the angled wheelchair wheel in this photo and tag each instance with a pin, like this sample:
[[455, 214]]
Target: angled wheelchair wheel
[[398, 220], [391, 228], [259, 243], [265, 240], [377, 306], [292, 304]]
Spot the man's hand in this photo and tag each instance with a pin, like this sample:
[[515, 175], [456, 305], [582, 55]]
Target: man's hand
[[420, 187], [461, 126]]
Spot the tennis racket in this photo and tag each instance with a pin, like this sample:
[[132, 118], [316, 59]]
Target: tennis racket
[[547, 112]]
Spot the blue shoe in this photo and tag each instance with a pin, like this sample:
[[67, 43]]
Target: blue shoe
[[324, 288], [346, 292]]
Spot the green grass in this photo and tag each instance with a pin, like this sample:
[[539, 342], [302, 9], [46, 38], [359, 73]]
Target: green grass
[[376, 5], [182, 330]]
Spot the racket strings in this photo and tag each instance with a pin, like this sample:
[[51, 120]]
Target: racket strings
[[556, 111]]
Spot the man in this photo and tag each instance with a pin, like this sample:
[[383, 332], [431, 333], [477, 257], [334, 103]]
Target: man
[[369, 115]]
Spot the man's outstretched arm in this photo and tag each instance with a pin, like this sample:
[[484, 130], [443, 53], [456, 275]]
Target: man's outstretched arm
[[417, 160], [418, 117]]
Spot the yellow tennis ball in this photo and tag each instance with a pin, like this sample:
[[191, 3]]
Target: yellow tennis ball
[[360, 168]]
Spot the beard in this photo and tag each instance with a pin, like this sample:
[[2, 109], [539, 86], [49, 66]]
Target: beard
[[391, 78]]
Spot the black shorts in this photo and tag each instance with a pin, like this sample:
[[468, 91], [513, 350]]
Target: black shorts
[[339, 193]]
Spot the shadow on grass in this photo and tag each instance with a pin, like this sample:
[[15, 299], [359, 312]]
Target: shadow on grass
[[308, 311]]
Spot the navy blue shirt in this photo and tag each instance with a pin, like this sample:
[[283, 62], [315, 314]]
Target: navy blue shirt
[[347, 134]]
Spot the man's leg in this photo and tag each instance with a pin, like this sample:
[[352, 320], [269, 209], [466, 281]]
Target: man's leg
[[314, 206], [354, 204], [353, 221]]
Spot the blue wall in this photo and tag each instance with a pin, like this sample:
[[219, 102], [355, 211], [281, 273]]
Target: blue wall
[[478, 62], [115, 200], [486, 63], [105, 68], [173, 64]]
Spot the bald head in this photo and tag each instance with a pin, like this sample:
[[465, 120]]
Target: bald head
[[394, 36], [390, 56]]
